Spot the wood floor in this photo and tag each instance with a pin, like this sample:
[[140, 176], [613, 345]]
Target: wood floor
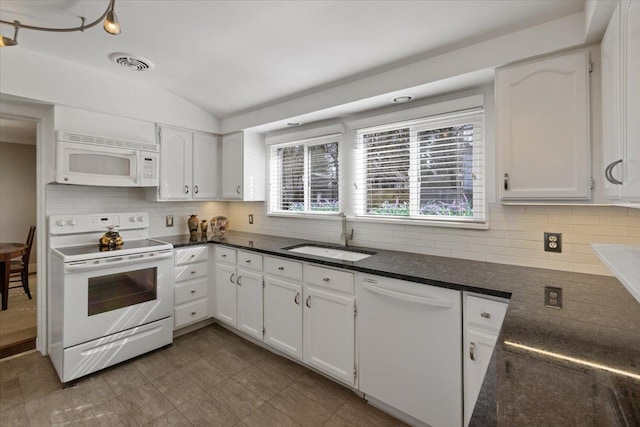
[[18, 322]]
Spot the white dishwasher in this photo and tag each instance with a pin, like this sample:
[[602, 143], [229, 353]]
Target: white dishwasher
[[410, 348]]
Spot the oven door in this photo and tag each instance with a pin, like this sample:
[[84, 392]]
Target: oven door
[[85, 164], [114, 294]]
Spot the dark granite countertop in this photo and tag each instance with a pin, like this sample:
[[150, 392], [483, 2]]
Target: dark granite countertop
[[579, 365]]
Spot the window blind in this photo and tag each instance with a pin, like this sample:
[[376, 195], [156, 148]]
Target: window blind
[[431, 169], [305, 176]]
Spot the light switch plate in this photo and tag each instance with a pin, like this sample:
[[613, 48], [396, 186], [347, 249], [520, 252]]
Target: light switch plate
[[168, 221]]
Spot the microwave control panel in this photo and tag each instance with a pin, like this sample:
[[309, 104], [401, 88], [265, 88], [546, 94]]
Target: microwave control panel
[[148, 167]]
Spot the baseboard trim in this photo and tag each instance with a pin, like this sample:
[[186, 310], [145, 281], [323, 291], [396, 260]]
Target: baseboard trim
[[18, 347]]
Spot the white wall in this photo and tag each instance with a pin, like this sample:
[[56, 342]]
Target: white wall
[[18, 194], [30, 75]]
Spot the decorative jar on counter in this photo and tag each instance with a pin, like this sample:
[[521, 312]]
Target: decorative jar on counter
[[192, 223]]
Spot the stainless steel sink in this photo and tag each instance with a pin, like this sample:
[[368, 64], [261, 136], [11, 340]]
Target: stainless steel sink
[[333, 253]]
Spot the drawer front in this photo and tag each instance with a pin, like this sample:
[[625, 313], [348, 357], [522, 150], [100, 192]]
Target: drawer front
[[190, 291], [283, 268], [327, 278], [190, 312], [249, 260], [485, 314], [191, 271], [189, 255], [225, 255]]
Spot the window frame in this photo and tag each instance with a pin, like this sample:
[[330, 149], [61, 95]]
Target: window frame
[[275, 188], [434, 121]]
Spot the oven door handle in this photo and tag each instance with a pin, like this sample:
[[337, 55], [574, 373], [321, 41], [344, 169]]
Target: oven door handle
[[118, 261]]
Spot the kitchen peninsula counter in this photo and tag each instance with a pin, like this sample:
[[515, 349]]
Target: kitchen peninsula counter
[[579, 365]]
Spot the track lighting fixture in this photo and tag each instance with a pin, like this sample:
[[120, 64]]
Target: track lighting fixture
[[109, 18]]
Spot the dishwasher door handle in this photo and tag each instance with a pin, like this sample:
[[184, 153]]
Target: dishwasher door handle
[[407, 297]]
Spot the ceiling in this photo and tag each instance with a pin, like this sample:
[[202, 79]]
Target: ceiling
[[233, 57]]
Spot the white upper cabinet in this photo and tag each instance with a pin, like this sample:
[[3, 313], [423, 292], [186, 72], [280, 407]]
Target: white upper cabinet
[[188, 165], [543, 128], [243, 173], [621, 103]]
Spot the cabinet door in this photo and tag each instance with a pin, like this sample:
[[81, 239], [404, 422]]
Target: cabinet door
[[543, 128], [226, 294], [329, 329], [205, 166], [250, 319], [283, 315], [611, 103], [175, 164], [631, 150], [232, 166], [477, 352]]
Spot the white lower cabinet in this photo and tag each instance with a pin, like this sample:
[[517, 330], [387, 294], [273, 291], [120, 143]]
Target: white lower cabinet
[[250, 303], [239, 292], [283, 315], [409, 338], [191, 286], [482, 321], [329, 323]]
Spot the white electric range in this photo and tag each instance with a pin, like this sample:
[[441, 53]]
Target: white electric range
[[106, 306]]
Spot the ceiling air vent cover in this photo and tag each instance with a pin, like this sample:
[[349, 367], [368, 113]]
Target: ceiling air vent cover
[[130, 62]]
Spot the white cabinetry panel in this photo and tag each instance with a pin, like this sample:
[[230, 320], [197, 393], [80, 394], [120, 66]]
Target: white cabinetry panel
[[543, 128], [175, 161], [250, 302], [283, 315]]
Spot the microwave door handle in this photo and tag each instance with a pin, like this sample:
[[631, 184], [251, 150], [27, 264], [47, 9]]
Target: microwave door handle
[[135, 162]]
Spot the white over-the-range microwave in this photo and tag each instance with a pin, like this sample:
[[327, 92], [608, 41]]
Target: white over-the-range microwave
[[95, 160]]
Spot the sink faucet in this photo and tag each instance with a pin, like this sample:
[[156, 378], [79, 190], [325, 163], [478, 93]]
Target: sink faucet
[[344, 237]]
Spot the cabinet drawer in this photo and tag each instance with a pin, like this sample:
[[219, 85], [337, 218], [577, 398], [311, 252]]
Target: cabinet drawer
[[284, 268], [189, 255], [191, 290], [327, 278], [191, 271], [190, 312], [249, 260], [485, 314], [225, 255]]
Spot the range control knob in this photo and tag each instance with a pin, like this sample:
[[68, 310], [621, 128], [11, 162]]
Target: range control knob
[[132, 219], [71, 221], [140, 219], [60, 222]]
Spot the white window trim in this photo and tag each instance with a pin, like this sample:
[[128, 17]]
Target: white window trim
[[273, 193], [384, 121]]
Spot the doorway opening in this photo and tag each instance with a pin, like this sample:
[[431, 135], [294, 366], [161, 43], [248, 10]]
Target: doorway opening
[[18, 212]]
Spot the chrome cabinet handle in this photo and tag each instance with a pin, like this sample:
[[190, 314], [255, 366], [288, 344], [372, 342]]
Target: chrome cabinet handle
[[193, 255], [608, 172], [223, 255], [307, 301], [506, 181], [485, 315], [193, 313], [238, 189], [296, 299], [326, 279], [472, 351], [186, 189], [248, 261], [193, 292], [280, 268], [195, 189], [193, 272], [231, 277], [238, 281]]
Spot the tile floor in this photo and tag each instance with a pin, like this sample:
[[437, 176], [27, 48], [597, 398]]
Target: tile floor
[[209, 377]]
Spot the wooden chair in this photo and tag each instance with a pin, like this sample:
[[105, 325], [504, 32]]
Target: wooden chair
[[20, 268]]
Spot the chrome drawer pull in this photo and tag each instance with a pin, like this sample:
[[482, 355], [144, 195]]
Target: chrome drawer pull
[[326, 279], [193, 313], [280, 268], [193, 292], [472, 351], [193, 272], [247, 261], [485, 315]]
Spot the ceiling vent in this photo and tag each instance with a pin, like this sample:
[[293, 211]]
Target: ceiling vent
[[130, 62]]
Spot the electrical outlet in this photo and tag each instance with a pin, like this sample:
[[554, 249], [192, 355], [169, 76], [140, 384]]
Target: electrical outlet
[[552, 297], [250, 218], [168, 222], [552, 242]]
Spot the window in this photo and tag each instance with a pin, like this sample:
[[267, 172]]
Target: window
[[304, 176], [428, 169]]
